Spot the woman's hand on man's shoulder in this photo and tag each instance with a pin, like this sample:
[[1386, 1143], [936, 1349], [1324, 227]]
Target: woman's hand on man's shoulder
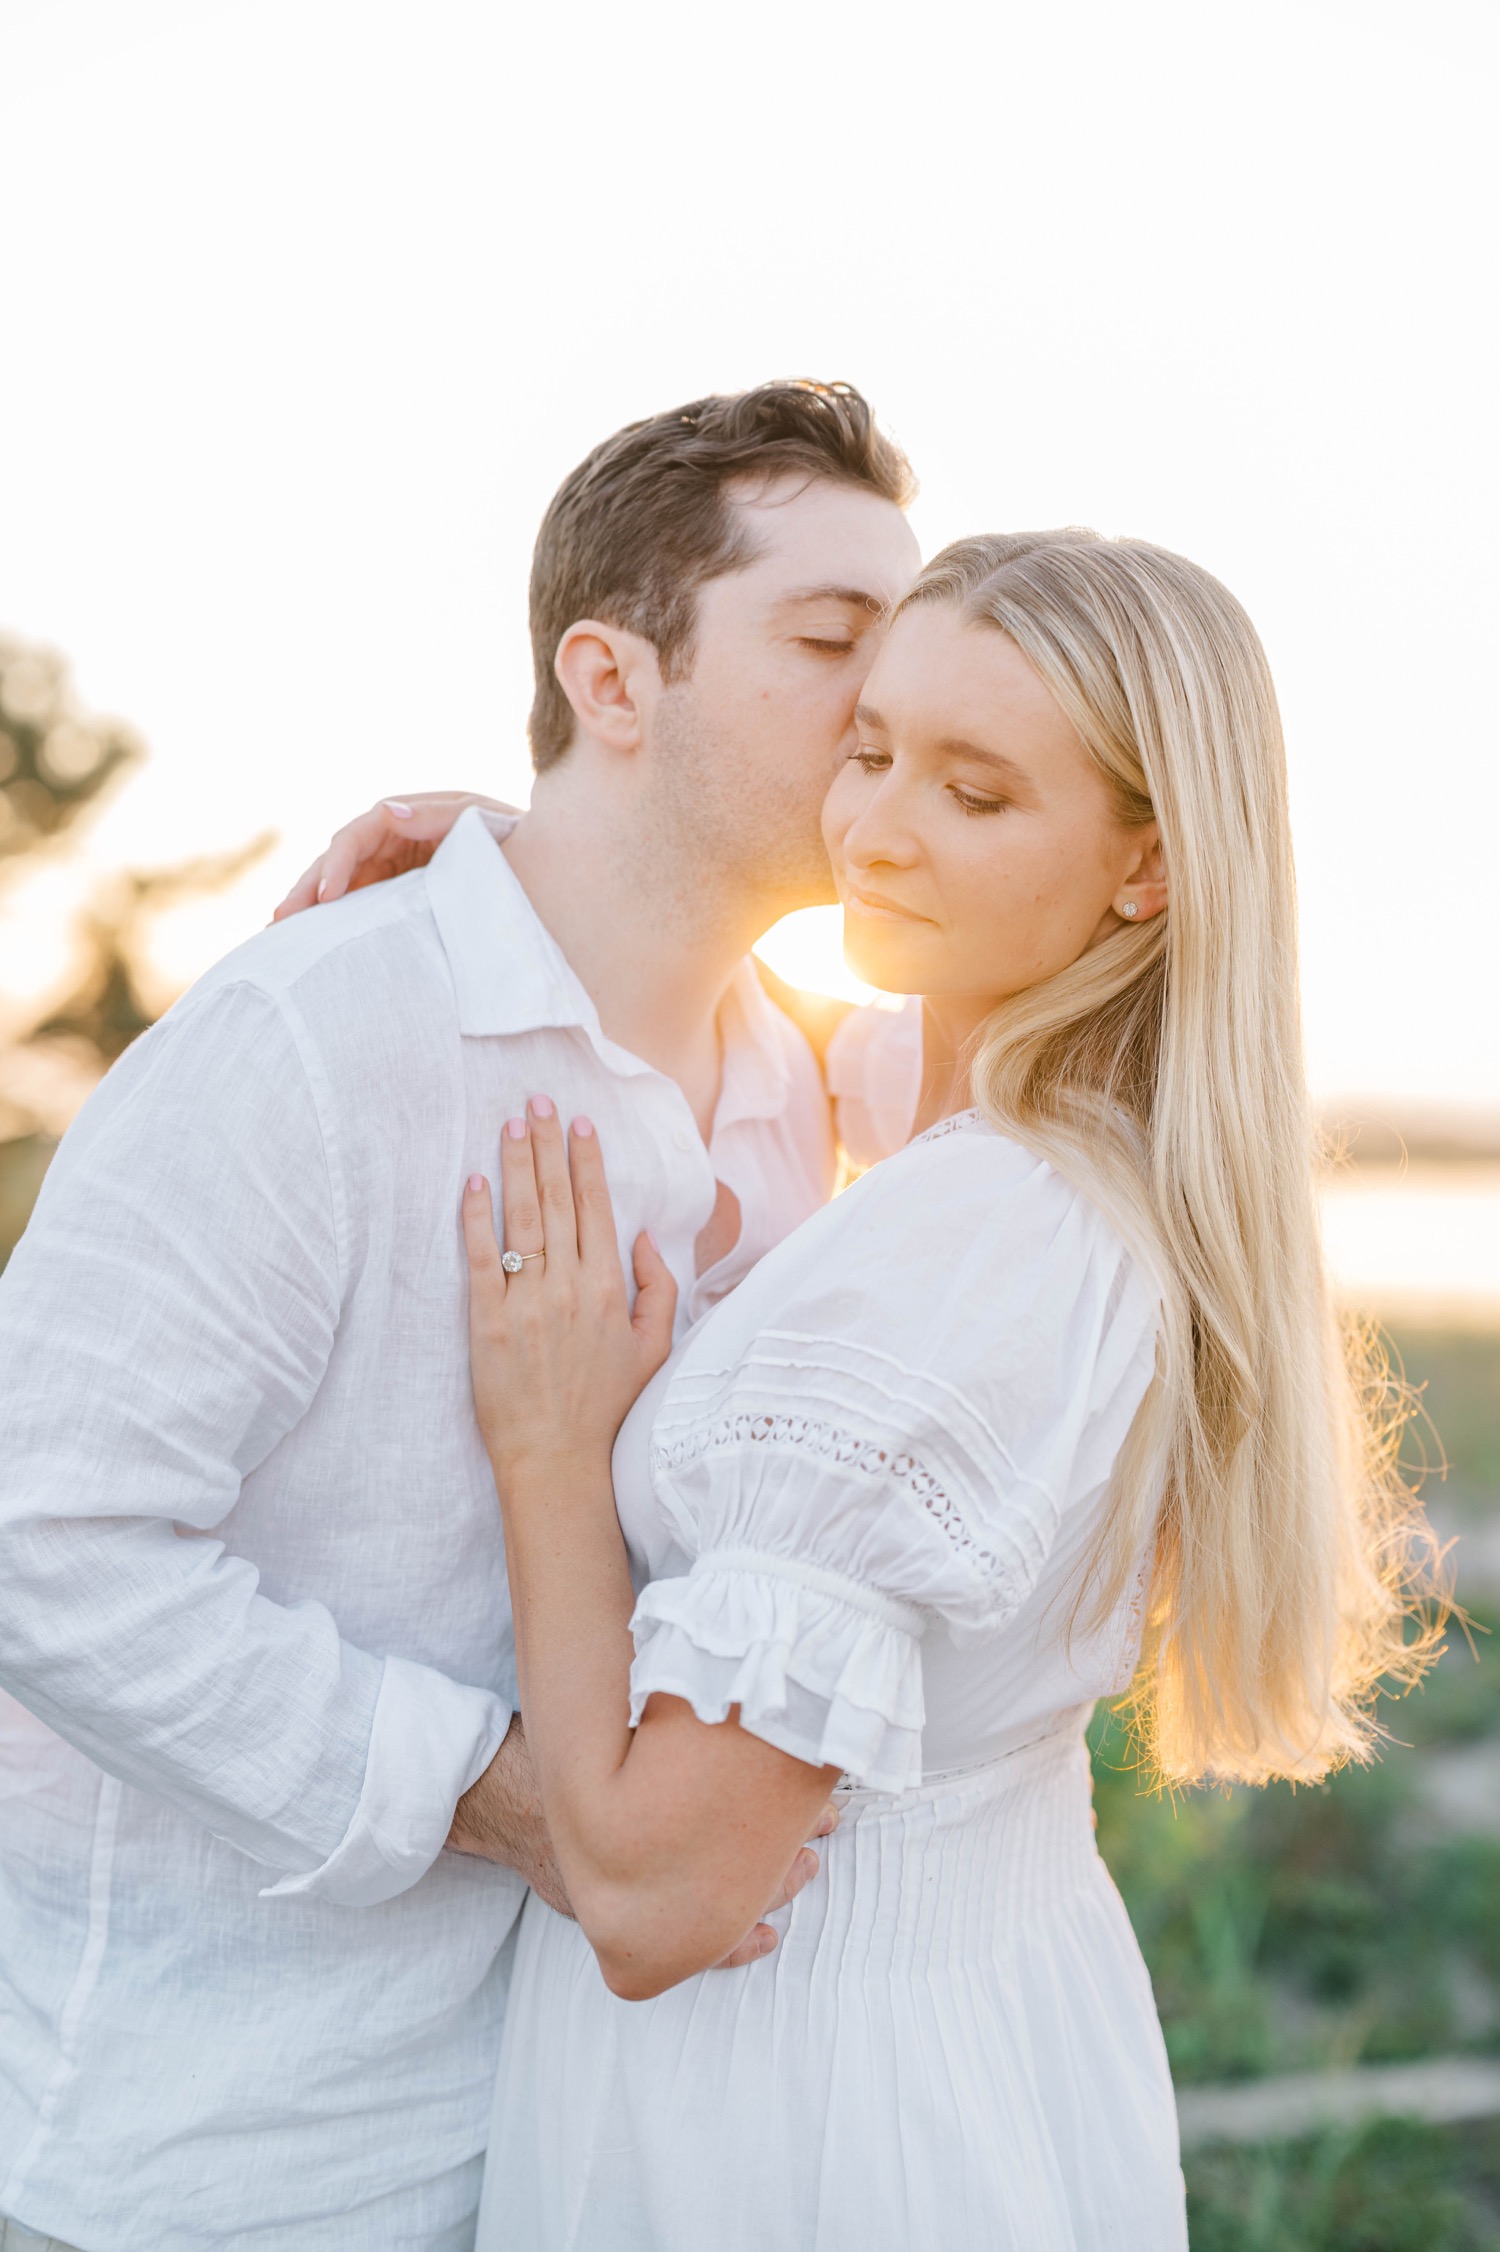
[[395, 836]]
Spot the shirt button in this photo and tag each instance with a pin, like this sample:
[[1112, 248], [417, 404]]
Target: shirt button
[[682, 1139]]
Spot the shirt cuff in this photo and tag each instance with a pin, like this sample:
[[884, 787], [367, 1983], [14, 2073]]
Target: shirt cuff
[[431, 1739]]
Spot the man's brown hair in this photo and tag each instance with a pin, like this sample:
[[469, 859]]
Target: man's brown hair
[[642, 524]]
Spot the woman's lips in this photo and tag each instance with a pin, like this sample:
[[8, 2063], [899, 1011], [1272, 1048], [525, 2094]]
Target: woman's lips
[[881, 910]]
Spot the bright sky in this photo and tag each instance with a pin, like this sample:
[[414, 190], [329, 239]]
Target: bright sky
[[311, 303]]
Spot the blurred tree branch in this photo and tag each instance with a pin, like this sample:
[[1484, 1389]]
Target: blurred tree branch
[[54, 760], [56, 764]]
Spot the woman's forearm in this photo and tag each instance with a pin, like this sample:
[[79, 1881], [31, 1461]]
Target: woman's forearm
[[572, 1599]]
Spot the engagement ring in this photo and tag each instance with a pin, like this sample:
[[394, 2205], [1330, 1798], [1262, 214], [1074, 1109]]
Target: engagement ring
[[514, 1261]]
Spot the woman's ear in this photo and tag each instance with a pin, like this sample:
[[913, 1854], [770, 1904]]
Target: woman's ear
[[608, 676], [1143, 891]]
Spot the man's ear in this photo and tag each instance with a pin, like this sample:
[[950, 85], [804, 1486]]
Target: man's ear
[[610, 677]]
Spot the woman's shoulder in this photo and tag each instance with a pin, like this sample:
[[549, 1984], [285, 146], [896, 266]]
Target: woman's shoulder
[[967, 1256], [968, 1178]]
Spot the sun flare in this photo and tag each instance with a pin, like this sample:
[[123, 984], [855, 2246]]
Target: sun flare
[[807, 949]]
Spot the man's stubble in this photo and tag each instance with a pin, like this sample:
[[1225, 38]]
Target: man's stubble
[[729, 842]]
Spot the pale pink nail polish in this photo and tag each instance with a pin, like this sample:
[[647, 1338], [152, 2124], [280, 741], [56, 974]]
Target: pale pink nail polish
[[476, 1183], [394, 805], [516, 1128], [541, 1106], [322, 886], [583, 1127]]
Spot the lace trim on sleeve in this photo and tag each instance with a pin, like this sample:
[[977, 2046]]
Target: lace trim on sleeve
[[869, 1458]]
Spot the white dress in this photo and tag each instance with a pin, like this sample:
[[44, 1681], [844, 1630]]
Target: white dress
[[856, 1500]]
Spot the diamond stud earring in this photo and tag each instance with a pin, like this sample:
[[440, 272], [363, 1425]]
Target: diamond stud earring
[[1130, 910]]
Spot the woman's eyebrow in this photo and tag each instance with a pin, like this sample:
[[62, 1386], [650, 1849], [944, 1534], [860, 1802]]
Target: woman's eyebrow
[[959, 746], [953, 746]]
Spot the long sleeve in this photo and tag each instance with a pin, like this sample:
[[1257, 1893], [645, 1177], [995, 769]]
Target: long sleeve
[[164, 1323]]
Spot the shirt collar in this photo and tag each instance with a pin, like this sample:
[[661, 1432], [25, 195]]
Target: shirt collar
[[757, 1072], [510, 975]]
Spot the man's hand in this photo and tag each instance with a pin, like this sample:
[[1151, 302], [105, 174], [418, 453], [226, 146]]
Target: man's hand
[[762, 1938], [500, 1818]]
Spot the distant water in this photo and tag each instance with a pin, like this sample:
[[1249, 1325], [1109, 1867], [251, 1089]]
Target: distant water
[[1424, 1244]]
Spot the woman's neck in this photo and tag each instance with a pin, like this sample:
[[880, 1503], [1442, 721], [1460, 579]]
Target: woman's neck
[[949, 1024]]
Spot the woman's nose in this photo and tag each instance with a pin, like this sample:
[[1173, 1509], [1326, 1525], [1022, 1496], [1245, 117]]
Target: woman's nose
[[880, 835]]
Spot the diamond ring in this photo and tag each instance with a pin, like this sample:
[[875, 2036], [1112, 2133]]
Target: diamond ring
[[514, 1261]]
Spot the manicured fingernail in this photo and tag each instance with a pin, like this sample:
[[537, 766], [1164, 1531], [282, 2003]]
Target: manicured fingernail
[[476, 1183], [394, 805], [516, 1128], [768, 1943], [541, 1106], [322, 885], [650, 1238], [583, 1127]]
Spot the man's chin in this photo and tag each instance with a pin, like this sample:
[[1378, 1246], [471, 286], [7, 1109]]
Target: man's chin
[[799, 881], [821, 893]]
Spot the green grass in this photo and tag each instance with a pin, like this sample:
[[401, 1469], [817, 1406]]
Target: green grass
[[1342, 1924], [1458, 1375], [1288, 1930], [22, 1164], [1389, 2187]]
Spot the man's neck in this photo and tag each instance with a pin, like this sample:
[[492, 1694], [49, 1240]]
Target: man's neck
[[653, 943]]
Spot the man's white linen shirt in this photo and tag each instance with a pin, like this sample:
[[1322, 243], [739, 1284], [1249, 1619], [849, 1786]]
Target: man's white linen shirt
[[253, 1610]]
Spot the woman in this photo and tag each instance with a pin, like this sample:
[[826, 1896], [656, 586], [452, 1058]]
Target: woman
[[1047, 1404]]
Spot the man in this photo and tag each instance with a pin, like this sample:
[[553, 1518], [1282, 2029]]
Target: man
[[253, 1612]]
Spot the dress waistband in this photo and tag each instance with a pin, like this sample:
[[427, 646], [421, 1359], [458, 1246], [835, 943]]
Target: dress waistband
[[1048, 1741]]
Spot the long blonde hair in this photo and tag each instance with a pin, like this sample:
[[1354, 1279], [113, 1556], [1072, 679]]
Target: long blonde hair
[[1163, 1071]]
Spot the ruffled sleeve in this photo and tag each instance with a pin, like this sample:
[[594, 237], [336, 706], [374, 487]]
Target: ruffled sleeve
[[891, 1452], [819, 1666]]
